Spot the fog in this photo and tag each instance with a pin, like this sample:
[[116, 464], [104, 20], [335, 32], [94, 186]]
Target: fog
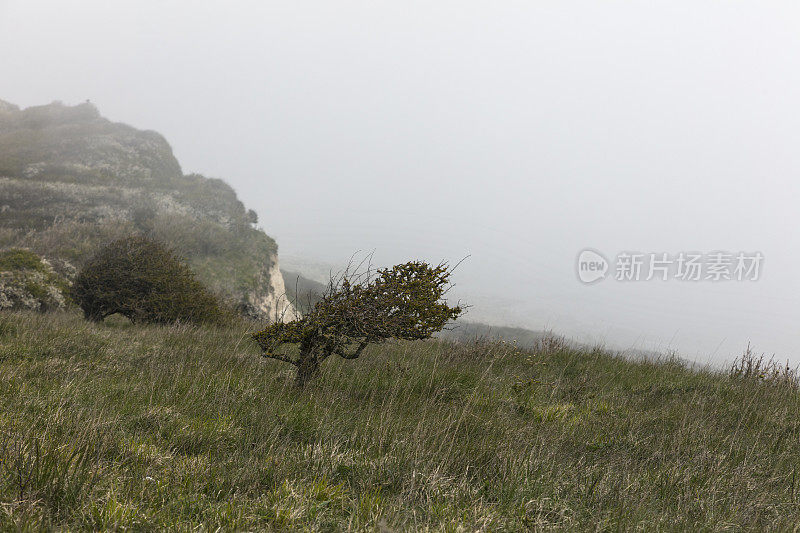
[[517, 133]]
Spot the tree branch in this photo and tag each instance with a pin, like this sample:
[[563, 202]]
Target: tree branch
[[280, 357], [355, 354]]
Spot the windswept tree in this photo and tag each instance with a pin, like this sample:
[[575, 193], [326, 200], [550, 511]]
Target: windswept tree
[[402, 302]]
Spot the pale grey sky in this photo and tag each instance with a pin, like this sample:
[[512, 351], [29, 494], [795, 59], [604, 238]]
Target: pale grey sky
[[517, 132]]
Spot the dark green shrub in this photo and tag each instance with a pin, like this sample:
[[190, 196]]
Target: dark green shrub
[[402, 302], [144, 281]]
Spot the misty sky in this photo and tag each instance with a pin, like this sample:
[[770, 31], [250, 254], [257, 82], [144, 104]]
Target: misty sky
[[516, 132]]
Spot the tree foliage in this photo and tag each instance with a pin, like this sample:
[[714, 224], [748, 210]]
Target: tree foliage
[[402, 302], [144, 281]]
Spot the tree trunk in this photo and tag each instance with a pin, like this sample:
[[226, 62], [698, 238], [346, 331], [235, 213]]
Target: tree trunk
[[307, 368], [93, 315]]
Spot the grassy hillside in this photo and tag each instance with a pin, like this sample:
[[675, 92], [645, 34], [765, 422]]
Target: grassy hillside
[[144, 428], [466, 331]]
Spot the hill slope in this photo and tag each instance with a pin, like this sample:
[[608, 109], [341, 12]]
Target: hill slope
[[130, 427], [71, 180]]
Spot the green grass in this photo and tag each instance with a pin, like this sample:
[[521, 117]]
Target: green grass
[[147, 428]]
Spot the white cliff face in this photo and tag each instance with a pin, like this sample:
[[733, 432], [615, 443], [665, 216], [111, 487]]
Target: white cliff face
[[272, 302]]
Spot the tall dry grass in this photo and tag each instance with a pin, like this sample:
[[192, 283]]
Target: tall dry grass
[[150, 428]]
